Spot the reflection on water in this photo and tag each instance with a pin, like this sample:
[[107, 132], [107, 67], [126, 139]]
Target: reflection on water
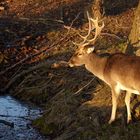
[[21, 115]]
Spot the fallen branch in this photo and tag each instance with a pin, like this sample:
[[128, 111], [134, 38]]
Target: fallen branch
[[20, 117], [7, 123], [24, 73], [77, 92], [41, 20], [51, 64]]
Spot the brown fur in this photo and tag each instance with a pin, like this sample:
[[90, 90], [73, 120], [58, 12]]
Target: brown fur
[[123, 68]]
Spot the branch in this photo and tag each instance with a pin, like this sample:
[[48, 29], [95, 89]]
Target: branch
[[7, 123], [112, 35], [22, 74], [77, 92], [46, 64], [46, 49]]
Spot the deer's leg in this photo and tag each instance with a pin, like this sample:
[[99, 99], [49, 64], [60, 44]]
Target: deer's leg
[[115, 95], [127, 102]]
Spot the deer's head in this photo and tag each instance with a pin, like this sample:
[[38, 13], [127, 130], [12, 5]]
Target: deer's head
[[80, 56], [84, 48]]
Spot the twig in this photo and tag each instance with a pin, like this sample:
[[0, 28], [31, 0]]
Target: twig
[[17, 71], [21, 83], [70, 27], [41, 87], [112, 35], [41, 20], [104, 34], [120, 26], [77, 92]]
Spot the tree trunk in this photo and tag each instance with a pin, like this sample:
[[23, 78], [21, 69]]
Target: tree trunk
[[97, 9], [134, 37], [94, 9]]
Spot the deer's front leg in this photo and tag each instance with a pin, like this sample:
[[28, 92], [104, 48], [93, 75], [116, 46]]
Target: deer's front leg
[[115, 95]]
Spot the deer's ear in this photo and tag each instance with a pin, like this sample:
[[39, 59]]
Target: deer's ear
[[90, 50]]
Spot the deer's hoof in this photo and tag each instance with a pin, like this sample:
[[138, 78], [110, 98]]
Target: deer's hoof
[[110, 121], [129, 121]]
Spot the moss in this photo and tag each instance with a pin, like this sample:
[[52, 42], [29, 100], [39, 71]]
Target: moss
[[46, 129], [122, 47]]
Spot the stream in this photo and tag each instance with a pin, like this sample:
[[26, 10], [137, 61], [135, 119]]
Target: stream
[[15, 120]]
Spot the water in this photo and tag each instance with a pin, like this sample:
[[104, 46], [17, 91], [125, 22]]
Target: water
[[19, 116]]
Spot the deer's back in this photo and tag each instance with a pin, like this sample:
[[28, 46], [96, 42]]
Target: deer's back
[[123, 69]]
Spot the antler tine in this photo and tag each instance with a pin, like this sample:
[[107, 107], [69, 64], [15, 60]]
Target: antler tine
[[93, 24], [98, 28], [85, 37]]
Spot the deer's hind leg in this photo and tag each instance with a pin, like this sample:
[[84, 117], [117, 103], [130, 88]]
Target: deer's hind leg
[[127, 102]]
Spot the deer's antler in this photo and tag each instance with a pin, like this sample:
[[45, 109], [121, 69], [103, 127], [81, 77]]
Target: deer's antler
[[93, 25]]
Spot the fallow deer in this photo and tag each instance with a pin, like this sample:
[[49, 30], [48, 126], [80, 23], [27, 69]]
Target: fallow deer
[[119, 71]]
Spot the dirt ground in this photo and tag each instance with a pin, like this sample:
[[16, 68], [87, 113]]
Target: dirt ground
[[28, 27]]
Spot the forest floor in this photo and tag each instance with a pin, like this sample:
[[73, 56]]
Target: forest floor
[[35, 44]]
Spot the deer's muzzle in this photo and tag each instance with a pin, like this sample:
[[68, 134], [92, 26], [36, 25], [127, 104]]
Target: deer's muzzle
[[71, 63]]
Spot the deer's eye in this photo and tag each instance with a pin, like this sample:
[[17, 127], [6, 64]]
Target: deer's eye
[[79, 54]]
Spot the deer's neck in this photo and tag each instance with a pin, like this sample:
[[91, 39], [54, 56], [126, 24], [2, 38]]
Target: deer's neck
[[96, 65]]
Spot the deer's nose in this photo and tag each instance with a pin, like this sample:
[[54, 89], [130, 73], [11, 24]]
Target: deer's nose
[[71, 63]]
